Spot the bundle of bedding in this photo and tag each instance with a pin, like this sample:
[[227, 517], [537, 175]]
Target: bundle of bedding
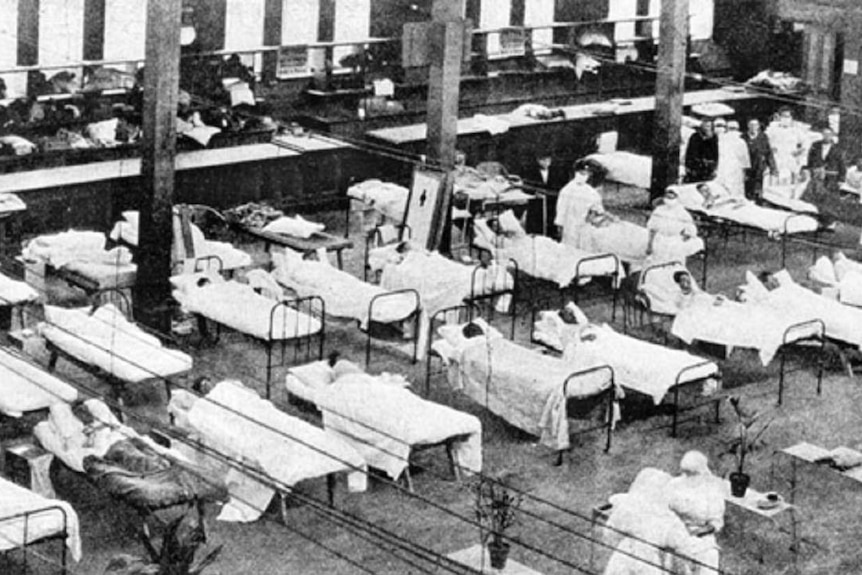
[[384, 197], [124, 463], [41, 523], [126, 231], [240, 307], [379, 417], [344, 295], [235, 422], [743, 211], [841, 274], [523, 386], [25, 386], [104, 338], [539, 256], [624, 167], [639, 365]]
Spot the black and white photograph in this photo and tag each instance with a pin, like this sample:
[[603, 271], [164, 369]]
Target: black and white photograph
[[428, 287]]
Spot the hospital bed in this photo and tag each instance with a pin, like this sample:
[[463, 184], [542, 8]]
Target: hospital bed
[[26, 387], [27, 519], [347, 296], [15, 296], [739, 215], [277, 450], [840, 279], [238, 306], [640, 366], [733, 324], [104, 342], [156, 482], [372, 197], [544, 259], [532, 391], [385, 421], [443, 283]]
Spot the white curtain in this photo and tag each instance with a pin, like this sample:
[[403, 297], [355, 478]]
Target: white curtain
[[16, 84], [537, 13], [494, 14], [352, 22], [61, 34], [701, 17], [299, 23], [243, 24], [125, 29]]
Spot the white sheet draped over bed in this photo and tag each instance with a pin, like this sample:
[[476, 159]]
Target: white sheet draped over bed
[[235, 421], [15, 499], [843, 274], [25, 386], [345, 295], [107, 340], [747, 213], [442, 283], [15, 292], [638, 365], [521, 385], [734, 324], [383, 421], [239, 307]]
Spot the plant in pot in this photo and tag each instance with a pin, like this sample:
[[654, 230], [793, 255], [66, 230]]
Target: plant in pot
[[496, 507], [750, 427]]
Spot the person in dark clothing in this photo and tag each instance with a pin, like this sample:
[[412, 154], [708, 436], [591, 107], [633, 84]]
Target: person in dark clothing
[[824, 171], [549, 176], [760, 155], [701, 155]]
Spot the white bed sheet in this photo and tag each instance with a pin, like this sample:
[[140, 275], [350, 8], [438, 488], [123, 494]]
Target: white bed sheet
[[25, 386], [747, 213], [15, 499], [384, 197], [383, 421], [639, 365], [235, 421], [521, 385], [239, 307], [345, 295], [734, 324], [110, 342], [843, 275]]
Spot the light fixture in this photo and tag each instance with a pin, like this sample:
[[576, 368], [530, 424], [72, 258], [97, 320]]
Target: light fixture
[[188, 34]]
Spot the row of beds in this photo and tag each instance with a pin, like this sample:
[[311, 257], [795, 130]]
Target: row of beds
[[357, 438]]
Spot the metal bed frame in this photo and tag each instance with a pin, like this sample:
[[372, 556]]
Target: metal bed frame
[[61, 535], [679, 381], [465, 312]]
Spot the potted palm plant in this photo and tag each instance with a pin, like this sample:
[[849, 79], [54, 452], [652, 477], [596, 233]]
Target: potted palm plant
[[750, 427], [496, 507]]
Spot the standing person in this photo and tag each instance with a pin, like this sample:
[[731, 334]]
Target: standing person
[[577, 202], [549, 177], [701, 154], [760, 158], [672, 232], [788, 145], [733, 157], [825, 162]]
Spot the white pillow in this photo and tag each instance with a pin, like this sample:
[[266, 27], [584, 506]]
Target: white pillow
[[843, 266], [783, 278], [754, 288], [823, 271], [317, 374], [510, 224], [297, 227], [64, 421]]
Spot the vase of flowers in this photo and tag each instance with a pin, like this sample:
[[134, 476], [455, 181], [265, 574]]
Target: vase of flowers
[[496, 508], [750, 427]]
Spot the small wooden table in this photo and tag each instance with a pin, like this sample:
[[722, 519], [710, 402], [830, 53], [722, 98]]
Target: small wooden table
[[308, 246], [476, 557]]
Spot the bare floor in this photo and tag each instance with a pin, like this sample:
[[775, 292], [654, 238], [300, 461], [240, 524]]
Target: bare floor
[[554, 534]]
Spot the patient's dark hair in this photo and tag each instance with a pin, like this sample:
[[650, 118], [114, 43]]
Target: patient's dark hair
[[764, 276], [678, 275], [472, 329], [332, 358]]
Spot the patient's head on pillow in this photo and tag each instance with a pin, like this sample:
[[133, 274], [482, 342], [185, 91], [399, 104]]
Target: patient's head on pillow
[[768, 279], [345, 367], [203, 281], [568, 315], [202, 385], [472, 329], [683, 279]]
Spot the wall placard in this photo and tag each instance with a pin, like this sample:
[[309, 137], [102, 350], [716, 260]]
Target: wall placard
[[422, 206]]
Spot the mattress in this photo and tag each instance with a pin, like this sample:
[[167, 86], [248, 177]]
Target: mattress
[[26, 387]]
